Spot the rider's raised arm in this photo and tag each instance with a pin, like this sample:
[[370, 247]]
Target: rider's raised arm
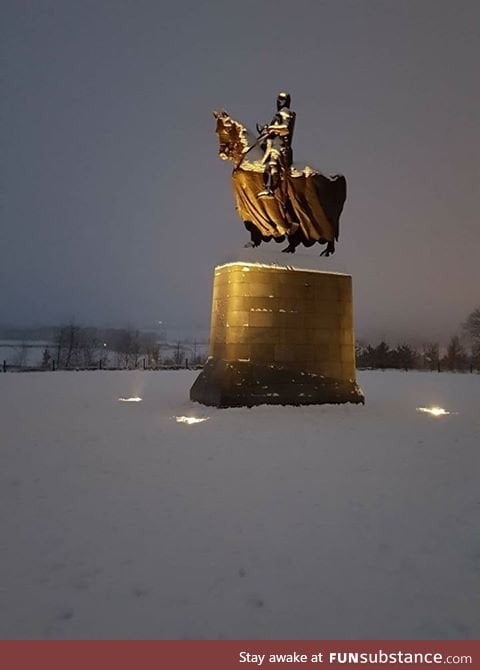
[[278, 125], [279, 129]]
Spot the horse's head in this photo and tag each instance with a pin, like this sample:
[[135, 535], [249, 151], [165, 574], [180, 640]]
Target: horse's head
[[232, 137]]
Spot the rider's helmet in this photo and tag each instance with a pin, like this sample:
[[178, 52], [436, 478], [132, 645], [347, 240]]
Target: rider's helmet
[[283, 100]]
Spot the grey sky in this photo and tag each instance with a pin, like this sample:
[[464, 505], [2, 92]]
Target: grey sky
[[115, 207]]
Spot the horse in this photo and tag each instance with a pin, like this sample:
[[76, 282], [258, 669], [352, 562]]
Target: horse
[[306, 206]]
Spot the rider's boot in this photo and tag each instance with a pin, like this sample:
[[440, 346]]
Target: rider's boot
[[268, 191]]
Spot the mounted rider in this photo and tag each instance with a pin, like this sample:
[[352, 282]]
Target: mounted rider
[[277, 146]]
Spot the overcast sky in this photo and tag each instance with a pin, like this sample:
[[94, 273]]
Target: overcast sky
[[116, 208]]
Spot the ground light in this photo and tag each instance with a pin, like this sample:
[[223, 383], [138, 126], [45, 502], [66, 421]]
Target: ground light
[[190, 419], [132, 399], [434, 411]]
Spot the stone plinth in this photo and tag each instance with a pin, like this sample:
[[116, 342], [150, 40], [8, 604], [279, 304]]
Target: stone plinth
[[279, 336]]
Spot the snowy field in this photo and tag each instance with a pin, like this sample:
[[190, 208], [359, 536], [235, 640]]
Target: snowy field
[[119, 521]]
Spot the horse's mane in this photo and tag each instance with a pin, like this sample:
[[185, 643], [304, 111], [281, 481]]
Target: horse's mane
[[235, 138]]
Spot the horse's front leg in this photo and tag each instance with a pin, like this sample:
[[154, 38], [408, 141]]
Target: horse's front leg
[[329, 249], [293, 242], [255, 235]]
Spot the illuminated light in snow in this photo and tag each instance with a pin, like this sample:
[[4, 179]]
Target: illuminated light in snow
[[434, 411], [190, 419], [132, 399]]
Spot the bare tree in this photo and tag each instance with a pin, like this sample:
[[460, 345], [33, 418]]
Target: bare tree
[[431, 356], [46, 358], [178, 354], [88, 347], [150, 348], [72, 344], [136, 348], [199, 355], [126, 344], [60, 341], [22, 355], [66, 341], [122, 343], [404, 356], [472, 326], [456, 357], [475, 356]]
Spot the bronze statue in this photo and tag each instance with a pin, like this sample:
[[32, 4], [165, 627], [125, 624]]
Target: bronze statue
[[274, 198]]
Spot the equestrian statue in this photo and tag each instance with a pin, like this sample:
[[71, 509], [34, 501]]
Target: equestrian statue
[[275, 198]]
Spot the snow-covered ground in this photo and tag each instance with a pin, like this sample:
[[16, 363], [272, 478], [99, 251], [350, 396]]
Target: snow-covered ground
[[118, 521]]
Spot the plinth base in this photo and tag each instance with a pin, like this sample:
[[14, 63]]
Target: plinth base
[[245, 384], [279, 336]]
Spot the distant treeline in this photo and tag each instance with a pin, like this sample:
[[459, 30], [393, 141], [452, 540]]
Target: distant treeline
[[76, 347], [460, 354], [429, 357]]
